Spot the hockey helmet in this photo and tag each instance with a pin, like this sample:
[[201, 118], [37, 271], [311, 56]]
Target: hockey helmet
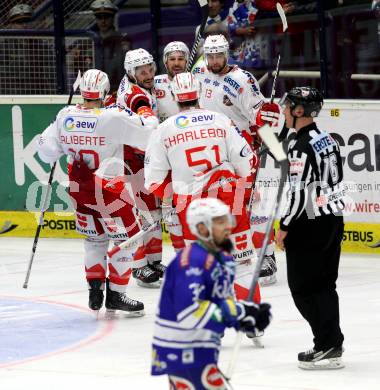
[[184, 87], [307, 97], [203, 210], [175, 46], [215, 44], [20, 13], [103, 7], [94, 85], [136, 58]]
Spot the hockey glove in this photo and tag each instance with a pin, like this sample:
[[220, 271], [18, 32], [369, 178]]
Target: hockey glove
[[269, 113], [253, 316], [230, 312]]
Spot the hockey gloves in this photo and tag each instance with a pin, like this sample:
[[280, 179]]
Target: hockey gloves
[[252, 316], [269, 113], [230, 312]]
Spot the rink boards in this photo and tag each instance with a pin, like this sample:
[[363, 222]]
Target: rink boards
[[358, 237], [355, 125]]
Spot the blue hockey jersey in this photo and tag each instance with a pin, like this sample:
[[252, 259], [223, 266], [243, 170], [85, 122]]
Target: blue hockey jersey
[[189, 322]]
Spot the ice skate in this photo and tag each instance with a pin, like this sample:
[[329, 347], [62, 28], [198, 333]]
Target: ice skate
[[96, 295], [158, 267], [119, 301], [146, 277], [330, 359], [256, 338], [268, 271]]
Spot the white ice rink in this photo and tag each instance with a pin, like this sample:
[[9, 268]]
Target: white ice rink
[[49, 340]]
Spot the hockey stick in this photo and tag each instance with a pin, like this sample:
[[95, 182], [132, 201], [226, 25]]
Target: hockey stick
[[44, 204], [284, 22], [204, 10], [276, 148], [281, 12], [144, 230]]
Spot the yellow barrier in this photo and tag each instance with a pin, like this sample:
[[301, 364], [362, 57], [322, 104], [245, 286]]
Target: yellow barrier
[[358, 237]]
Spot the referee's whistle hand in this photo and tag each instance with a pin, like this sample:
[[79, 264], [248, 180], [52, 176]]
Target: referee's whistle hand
[[280, 237]]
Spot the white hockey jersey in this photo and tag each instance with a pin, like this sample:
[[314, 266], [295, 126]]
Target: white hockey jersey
[[95, 136], [236, 94], [194, 145], [166, 105], [130, 95]]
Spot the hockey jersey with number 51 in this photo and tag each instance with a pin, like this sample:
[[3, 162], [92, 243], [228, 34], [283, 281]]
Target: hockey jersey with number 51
[[195, 145]]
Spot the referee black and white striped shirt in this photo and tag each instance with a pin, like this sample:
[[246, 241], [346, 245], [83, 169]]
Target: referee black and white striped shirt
[[315, 176]]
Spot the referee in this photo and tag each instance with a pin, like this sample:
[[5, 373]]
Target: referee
[[311, 229]]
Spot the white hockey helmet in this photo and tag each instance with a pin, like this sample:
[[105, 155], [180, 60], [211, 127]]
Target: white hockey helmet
[[184, 87], [203, 210], [135, 58], [20, 13], [175, 46], [215, 44], [94, 85]]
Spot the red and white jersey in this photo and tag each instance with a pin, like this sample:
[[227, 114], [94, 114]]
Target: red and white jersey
[[133, 96], [236, 94], [95, 136], [195, 145], [166, 105]]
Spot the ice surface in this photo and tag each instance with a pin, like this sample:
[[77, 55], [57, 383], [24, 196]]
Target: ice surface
[[50, 318]]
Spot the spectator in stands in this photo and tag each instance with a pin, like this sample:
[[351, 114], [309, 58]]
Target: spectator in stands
[[249, 49], [20, 16], [216, 13], [212, 29], [24, 68], [113, 45]]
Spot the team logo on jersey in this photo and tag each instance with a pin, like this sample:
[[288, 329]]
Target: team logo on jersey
[[182, 121], [80, 124], [226, 101]]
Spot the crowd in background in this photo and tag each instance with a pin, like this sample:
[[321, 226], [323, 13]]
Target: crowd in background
[[254, 44]]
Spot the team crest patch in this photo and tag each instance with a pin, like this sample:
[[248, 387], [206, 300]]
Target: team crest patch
[[226, 101]]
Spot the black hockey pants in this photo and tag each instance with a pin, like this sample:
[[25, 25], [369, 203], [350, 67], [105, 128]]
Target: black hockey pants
[[312, 253]]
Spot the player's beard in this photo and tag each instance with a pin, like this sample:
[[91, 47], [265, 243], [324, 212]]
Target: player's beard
[[216, 69], [226, 245]]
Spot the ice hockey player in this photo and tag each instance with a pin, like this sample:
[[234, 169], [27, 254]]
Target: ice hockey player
[[93, 138], [236, 93], [175, 59], [136, 92], [197, 303], [311, 229], [207, 157]]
